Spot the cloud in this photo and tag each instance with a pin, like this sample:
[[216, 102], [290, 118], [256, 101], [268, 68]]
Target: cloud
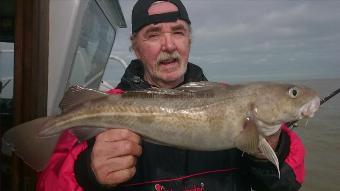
[[260, 38]]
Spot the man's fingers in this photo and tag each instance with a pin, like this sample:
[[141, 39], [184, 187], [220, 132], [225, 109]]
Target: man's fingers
[[116, 149], [117, 177], [115, 164], [114, 156]]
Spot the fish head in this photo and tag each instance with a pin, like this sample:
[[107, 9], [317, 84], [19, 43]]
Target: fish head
[[280, 103]]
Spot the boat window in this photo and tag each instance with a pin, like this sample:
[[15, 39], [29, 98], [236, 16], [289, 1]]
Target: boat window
[[6, 84], [94, 47]]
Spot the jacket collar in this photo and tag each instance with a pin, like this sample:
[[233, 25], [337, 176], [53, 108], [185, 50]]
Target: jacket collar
[[133, 78]]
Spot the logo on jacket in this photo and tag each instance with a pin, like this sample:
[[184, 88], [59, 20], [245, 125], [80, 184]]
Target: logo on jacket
[[159, 187]]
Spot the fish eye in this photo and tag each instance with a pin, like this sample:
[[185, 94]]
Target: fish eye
[[293, 92]]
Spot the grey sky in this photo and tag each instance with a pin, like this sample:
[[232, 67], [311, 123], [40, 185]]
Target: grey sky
[[243, 40]]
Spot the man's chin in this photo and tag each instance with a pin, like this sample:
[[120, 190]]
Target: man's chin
[[174, 77], [172, 72]]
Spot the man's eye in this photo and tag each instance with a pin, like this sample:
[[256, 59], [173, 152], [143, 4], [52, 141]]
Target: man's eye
[[179, 33], [153, 35]]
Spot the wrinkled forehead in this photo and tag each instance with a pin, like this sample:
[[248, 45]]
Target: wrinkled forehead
[[178, 25]]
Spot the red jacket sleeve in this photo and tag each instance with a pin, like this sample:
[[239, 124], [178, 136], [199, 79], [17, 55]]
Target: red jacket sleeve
[[296, 155], [59, 173]]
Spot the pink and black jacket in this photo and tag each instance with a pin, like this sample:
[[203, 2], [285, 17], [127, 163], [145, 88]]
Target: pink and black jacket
[[162, 168]]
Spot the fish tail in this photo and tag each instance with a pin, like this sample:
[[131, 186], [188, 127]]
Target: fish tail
[[24, 141]]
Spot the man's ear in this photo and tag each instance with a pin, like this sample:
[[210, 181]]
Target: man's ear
[[133, 46], [136, 52]]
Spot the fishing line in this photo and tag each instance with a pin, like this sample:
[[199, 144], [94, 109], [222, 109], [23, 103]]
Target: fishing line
[[323, 100], [306, 123], [294, 124]]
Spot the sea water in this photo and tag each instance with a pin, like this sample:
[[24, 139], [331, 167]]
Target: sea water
[[321, 137]]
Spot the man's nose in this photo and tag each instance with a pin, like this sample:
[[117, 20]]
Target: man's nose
[[168, 43]]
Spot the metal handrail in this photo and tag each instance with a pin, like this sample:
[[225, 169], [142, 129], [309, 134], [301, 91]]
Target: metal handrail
[[120, 60]]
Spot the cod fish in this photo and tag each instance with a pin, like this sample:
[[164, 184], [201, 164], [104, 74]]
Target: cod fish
[[204, 116]]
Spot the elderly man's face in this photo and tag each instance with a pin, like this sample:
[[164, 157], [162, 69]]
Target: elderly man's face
[[164, 49]]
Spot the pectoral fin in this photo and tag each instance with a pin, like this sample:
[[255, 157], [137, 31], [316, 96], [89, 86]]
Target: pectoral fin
[[268, 151], [248, 139]]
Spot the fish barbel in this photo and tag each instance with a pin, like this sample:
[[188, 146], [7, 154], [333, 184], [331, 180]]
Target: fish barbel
[[203, 116]]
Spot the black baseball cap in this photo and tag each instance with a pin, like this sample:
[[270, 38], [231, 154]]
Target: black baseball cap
[[141, 18]]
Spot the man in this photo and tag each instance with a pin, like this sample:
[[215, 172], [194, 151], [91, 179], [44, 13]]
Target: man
[[118, 160]]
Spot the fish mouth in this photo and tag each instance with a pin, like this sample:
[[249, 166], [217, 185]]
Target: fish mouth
[[308, 110]]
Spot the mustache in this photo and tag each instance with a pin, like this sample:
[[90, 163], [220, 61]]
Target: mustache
[[168, 56]]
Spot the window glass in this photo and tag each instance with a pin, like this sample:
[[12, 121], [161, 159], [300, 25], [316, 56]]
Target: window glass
[[6, 84], [94, 47], [6, 104]]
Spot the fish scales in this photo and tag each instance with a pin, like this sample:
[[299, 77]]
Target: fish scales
[[145, 115], [145, 120]]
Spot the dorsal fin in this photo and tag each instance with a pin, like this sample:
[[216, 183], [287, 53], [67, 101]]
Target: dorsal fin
[[76, 95], [155, 93], [200, 86], [202, 89]]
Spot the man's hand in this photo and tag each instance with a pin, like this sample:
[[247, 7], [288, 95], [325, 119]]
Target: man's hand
[[113, 157]]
